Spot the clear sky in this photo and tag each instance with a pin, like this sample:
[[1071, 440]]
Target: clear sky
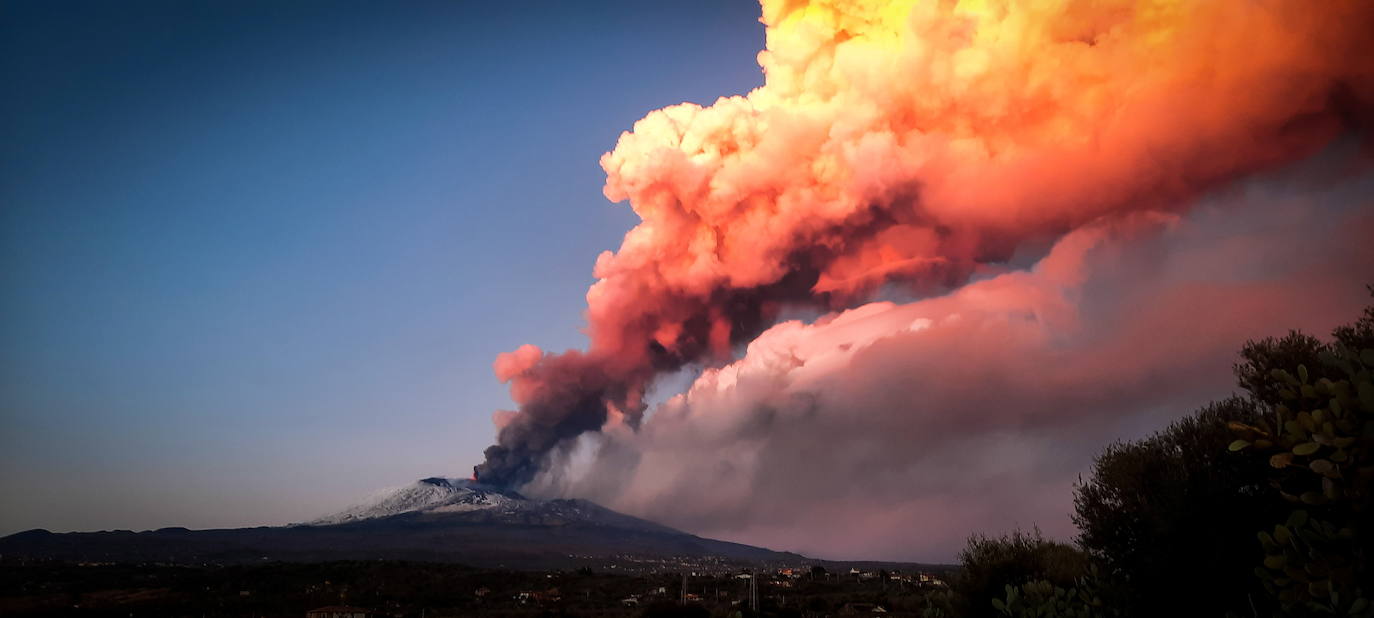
[[258, 257]]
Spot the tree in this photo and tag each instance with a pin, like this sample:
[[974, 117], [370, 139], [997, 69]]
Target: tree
[[1170, 521], [1319, 451], [989, 564], [1174, 512], [1042, 599]]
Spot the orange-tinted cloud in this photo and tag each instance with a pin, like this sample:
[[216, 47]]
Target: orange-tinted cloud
[[913, 142], [896, 431]]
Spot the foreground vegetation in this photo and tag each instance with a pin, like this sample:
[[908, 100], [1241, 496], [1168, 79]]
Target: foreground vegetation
[[1257, 505]]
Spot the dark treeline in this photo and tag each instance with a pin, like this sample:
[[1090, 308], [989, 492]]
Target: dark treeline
[[1256, 505]]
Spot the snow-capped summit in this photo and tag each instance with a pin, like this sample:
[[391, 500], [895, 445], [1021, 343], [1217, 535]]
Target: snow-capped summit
[[465, 500], [436, 494]]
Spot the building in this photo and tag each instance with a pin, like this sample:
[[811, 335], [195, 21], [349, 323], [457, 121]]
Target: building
[[931, 580], [338, 611]]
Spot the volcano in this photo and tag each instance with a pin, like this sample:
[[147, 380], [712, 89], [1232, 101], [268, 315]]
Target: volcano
[[434, 519]]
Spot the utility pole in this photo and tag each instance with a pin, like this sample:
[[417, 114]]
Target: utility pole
[[684, 588], [754, 591]]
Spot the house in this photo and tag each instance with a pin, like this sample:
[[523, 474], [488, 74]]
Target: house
[[931, 580], [338, 611]]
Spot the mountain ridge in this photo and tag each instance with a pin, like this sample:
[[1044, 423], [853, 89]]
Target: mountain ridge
[[434, 519]]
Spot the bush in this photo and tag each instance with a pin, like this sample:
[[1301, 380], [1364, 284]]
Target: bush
[[1177, 512], [1174, 512], [1319, 452], [988, 565], [1042, 599]]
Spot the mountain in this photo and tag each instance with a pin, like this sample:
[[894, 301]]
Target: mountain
[[434, 519], [451, 501], [434, 493]]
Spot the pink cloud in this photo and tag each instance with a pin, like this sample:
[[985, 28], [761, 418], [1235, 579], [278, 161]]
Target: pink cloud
[[895, 430]]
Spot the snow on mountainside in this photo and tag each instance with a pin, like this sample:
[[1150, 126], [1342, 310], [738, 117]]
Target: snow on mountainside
[[464, 499], [434, 494], [433, 519]]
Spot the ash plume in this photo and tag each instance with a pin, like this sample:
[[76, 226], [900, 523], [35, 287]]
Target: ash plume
[[916, 144]]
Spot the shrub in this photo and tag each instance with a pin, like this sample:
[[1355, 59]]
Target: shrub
[[988, 565], [1320, 453], [1042, 599], [1174, 512]]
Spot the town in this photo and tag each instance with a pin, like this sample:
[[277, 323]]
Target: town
[[382, 589]]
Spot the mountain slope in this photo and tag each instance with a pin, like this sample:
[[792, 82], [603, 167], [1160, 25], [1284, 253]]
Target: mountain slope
[[452, 495], [444, 520]]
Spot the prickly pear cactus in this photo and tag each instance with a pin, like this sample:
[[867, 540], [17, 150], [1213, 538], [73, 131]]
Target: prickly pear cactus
[[1042, 599], [1319, 446], [939, 604]]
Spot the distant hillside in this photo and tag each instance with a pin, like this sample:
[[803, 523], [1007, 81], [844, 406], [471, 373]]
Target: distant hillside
[[442, 520]]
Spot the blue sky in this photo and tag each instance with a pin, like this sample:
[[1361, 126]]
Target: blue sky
[[257, 257]]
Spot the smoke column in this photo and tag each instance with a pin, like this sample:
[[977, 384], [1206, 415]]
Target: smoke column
[[915, 144]]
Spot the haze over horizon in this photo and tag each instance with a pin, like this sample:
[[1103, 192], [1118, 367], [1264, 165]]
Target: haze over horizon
[[263, 261]]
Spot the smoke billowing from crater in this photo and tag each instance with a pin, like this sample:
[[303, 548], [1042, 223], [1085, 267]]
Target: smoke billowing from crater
[[917, 144], [893, 431]]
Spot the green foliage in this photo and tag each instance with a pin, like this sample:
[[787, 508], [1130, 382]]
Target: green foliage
[[942, 604], [1317, 445], [1024, 574], [1175, 511], [1260, 359], [989, 564], [1043, 599]]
